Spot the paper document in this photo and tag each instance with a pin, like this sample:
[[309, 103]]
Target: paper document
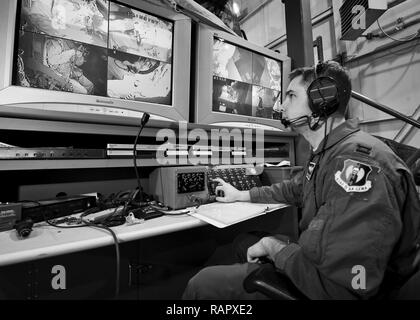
[[284, 163], [222, 215], [5, 145]]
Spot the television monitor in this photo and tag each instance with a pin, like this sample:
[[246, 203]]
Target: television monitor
[[98, 58], [237, 83]]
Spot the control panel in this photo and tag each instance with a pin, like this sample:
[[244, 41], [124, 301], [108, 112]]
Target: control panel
[[181, 187], [191, 182], [238, 177]]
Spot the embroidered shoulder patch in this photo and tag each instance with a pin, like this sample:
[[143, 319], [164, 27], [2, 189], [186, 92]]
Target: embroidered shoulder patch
[[353, 176]]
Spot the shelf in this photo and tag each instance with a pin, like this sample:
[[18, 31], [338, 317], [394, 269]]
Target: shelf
[[23, 119], [18, 165], [98, 133]]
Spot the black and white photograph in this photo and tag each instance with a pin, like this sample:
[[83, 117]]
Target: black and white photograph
[[232, 96], [209, 159], [78, 20], [264, 101], [137, 78], [139, 33], [58, 64], [231, 62]]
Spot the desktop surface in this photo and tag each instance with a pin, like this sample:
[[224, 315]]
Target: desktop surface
[[48, 241]]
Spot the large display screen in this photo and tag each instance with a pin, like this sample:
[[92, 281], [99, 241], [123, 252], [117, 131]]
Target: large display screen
[[245, 82], [94, 47]]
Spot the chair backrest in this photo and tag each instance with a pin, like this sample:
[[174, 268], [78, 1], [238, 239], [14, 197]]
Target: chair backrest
[[410, 155]]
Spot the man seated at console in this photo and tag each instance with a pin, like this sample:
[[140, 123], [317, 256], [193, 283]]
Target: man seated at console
[[360, 208]]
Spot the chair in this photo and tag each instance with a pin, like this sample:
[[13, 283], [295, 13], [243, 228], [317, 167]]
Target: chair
[[274, 285], [410, 155]]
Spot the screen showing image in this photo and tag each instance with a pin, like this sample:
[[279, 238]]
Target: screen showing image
[[58, 64], [266, 72], [231, 62], [264, 102], [138, 33], [79, 20], [138, 78], [230, 96], [94, 47], [245, 82]]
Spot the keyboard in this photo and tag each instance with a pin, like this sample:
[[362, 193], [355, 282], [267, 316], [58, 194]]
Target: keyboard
[[236, 176]]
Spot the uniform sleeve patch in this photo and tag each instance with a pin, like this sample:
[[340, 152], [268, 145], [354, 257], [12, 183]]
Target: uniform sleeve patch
[[353, 176]]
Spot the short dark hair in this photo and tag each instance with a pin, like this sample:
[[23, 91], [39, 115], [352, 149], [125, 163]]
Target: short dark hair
[[328, 69]]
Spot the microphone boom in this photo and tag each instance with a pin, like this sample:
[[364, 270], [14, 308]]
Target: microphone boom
[[295, 121]]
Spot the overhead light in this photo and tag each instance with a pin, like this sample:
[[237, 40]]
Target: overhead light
[[236, 9]]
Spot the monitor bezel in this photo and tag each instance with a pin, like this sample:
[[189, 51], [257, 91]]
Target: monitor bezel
[[203, 109], [95, 107]]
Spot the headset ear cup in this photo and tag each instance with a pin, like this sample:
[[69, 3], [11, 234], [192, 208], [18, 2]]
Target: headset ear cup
[[313, 98], [323, 96]]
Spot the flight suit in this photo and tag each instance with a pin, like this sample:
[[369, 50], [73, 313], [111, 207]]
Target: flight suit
[[360, 223]]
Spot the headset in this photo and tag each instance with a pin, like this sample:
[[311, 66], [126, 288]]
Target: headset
[[323, 93], [323, 98]]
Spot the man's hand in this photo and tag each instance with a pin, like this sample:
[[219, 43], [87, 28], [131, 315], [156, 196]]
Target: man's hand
[[266, 247], [231, 194]]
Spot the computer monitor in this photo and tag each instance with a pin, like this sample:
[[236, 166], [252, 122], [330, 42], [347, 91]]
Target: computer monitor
[[238, 84], [99, 58]]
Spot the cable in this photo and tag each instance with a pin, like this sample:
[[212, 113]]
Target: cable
[[117, 249], [88, 224], [114, 236], [117, 254], [406, 39], [49, 221], [321, 154], [244, 34]]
